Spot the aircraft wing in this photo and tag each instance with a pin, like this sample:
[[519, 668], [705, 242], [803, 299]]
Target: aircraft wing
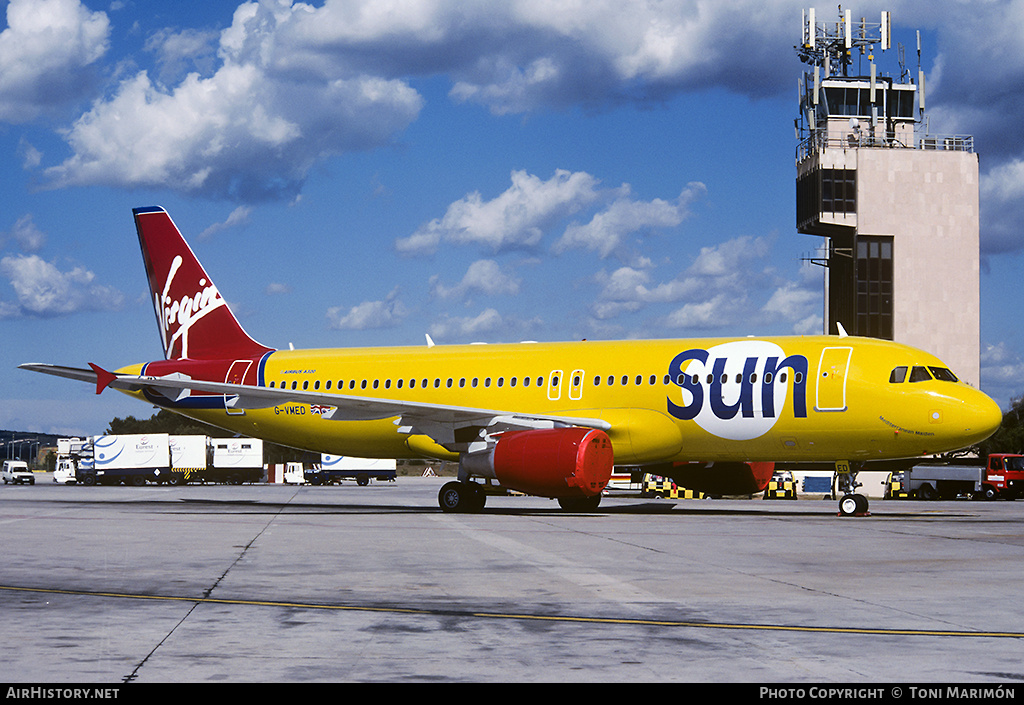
[[439, 421]]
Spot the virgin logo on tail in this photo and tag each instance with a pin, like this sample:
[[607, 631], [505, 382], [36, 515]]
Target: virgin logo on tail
[[184, 297], [178, 317]]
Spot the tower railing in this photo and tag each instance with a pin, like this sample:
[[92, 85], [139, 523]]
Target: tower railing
[[855, 139]]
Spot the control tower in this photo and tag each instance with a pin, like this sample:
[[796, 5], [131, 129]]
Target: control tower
[[897, 206]]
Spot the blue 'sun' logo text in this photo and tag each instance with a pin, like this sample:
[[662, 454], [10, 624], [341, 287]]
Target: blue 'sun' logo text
[[737, 390]]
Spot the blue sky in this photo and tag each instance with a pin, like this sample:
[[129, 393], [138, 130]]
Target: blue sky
[[367, 172]]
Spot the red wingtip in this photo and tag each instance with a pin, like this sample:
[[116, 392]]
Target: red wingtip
[[103, 378]]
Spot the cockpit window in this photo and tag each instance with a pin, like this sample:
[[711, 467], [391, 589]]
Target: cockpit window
[[919, 374], [941, 373]]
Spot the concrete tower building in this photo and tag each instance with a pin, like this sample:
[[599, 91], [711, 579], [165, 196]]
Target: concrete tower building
[[898, 207]]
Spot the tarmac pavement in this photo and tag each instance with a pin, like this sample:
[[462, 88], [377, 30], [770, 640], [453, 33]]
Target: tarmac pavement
[[272, 583]]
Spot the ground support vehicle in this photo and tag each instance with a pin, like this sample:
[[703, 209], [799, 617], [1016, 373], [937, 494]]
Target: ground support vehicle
[[132, 459], [235, 460], [335, 468], [17, 472], [1005, 475], [1001, 476], [781, 486], [190, 458], [137, 459], [294, 474], [69, 455]]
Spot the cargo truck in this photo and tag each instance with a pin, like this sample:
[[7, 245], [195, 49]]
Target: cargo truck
[[1001, 476], [136, 459], [236, 460], [132, 459], [190, 458], [335, 468], [199, 459]]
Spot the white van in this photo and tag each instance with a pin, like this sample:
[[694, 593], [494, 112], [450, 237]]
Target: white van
[[17, 471]]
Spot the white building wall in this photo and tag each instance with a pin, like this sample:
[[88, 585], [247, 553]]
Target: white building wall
[[928, 202]]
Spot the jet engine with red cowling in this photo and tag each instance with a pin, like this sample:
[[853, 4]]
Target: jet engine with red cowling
[[558, 462]]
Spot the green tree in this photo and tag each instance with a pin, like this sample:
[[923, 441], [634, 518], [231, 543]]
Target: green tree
[[1009, 438]]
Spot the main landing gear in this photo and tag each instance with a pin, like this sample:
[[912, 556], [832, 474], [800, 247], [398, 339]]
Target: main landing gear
[[466, 497], [461, 497]]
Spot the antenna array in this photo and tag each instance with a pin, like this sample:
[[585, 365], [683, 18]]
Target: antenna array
[[829, 46]]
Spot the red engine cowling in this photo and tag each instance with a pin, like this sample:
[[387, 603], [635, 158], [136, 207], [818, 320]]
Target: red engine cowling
[[561, 462]]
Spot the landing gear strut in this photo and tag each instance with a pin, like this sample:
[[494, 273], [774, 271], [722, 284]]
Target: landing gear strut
[[851, 504]]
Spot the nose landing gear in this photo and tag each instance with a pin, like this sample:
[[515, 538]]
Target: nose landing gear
[[851, 504]]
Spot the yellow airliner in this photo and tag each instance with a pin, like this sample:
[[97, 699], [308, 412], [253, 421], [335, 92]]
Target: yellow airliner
[[549, 419]]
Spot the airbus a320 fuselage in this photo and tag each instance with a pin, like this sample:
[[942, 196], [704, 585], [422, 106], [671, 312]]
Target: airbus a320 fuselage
[[550, 419]]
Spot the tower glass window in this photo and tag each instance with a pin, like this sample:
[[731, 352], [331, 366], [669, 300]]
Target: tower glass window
[[874, 286]]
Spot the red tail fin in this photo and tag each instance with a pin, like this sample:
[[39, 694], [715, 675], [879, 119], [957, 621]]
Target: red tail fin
[[194, 320]]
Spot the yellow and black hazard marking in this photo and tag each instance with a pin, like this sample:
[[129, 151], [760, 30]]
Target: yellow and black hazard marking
[[182, 476], [654, 486]]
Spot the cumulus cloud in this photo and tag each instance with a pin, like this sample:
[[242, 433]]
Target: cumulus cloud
[[1002, 371], [704, 315], [245, 132], [974, 88], [484, 276], [48, 57], [715, 286], [42, 290], [288, 85], [449, 327], [798, 304], [26, 234], [275, 288], [608, 228], [627, 290], [563, 53], [178, 52], [517, 218], [237, 218], [1002, 194], [367, 315]]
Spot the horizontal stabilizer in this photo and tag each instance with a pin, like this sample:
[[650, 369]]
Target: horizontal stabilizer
[[103, 378]]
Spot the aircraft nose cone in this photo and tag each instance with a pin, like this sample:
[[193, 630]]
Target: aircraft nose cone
[[989, 415], [980, 416]]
